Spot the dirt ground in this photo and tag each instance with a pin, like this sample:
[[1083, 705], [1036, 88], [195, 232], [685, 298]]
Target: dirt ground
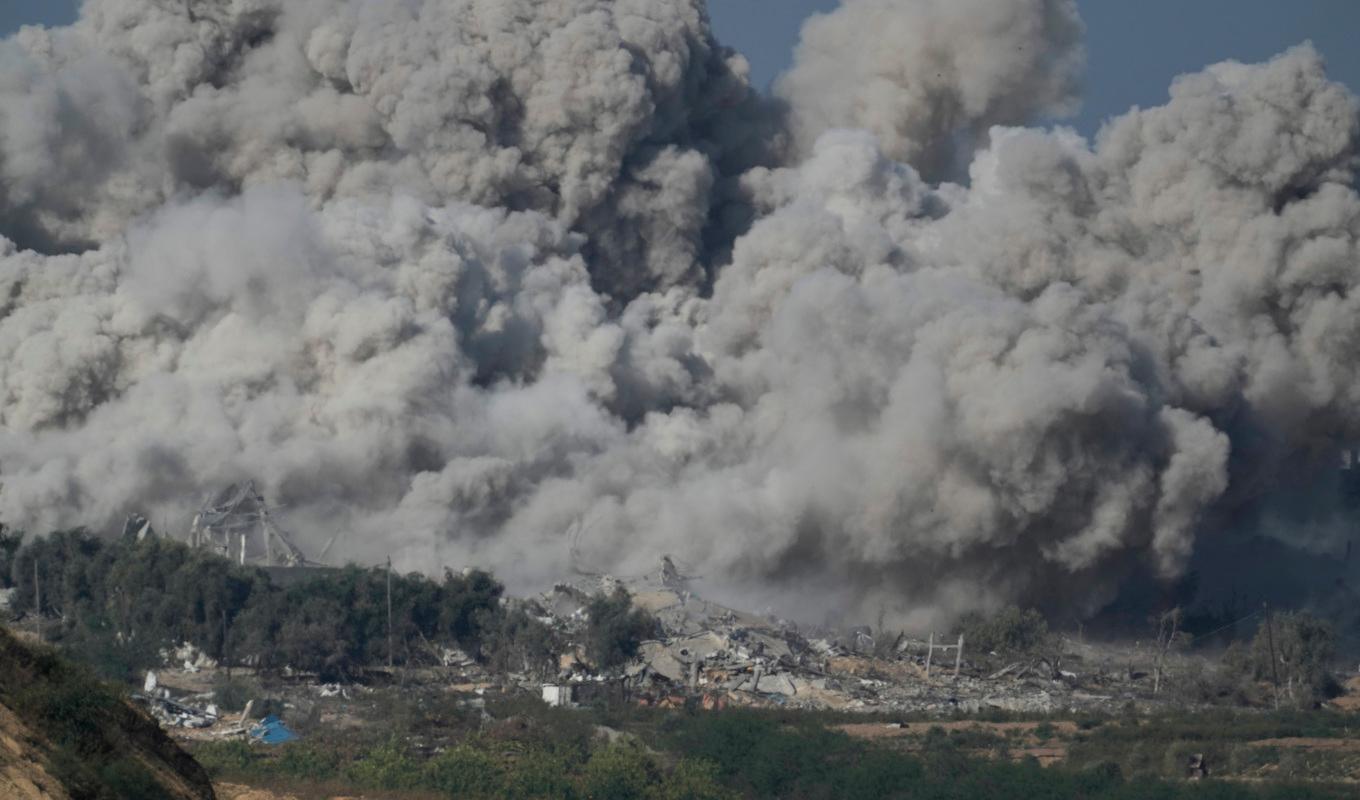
[[237, 791], [1350, 701]]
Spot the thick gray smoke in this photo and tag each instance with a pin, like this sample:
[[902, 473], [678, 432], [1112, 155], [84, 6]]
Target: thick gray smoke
[[459, 278], [930, 77]]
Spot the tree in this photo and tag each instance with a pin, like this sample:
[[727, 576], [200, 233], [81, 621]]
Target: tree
[[1303, 648], [516, 642], [615, 629], [10, 541], [465, 601]]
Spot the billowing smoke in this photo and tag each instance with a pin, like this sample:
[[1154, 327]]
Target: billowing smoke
[[929, 78], [527, 283]]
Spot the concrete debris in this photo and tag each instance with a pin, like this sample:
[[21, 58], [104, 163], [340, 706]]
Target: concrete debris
[[708, 656], [171, 712], [188, 658], [776, 684], [454, 657], [711, 656]]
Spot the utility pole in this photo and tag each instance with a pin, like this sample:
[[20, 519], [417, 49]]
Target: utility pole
[[389, 612], [1274, 666]]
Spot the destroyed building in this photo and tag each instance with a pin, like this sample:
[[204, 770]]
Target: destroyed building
[[712, 656], [237, 525]]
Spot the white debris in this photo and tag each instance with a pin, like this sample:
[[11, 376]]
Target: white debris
[[557, 695]]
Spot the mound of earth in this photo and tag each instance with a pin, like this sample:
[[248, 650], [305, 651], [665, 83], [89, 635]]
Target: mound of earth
[[65, 734]]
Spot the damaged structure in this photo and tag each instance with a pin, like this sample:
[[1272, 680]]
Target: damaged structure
[[237, 524], [712, 656]]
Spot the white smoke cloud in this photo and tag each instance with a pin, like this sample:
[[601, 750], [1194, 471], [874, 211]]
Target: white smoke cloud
[[456, 278]]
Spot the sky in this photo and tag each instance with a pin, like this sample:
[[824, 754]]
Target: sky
[[1134, 49]]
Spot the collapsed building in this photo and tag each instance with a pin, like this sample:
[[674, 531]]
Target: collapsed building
[[714, 657], [237, 524]]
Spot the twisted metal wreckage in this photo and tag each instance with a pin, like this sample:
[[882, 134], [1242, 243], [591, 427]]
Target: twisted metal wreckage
[[237, 525]]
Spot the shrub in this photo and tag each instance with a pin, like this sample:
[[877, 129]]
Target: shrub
[[618, 772], [387, 766], [538, 774], [692, 780], [308, 761], [1010, 631], [227, 758], [464, 772], [125, 778]]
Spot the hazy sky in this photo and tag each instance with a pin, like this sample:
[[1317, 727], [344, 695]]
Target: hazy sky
[[1135, 48]]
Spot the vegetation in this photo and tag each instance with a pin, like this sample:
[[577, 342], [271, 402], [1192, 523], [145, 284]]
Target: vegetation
[[10, 542], [615, 629], [117, 604], [1293, 652], [1010, 631], [95, 744], [548, 753]]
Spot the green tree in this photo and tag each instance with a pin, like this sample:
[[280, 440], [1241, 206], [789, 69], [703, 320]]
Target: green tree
[[615, 629], [10, 542], [465, 602]]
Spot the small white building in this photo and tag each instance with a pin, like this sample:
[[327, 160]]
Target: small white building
[[557, 695]]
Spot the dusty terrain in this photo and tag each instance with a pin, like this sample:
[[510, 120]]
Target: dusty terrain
[[40, 694]]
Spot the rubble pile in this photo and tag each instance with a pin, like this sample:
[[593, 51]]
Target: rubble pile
[[704, 655], [716, 656], [176, 712]]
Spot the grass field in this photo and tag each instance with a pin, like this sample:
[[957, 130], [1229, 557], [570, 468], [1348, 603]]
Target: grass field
[[522, 749]]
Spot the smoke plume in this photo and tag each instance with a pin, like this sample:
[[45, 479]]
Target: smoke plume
[[525, 283]]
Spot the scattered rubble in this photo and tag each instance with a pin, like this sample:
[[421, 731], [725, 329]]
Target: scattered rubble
[[174, 712], [714, 656], [709, 656], [189, 658]]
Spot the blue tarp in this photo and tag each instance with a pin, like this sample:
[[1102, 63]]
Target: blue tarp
[[271, 730]]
